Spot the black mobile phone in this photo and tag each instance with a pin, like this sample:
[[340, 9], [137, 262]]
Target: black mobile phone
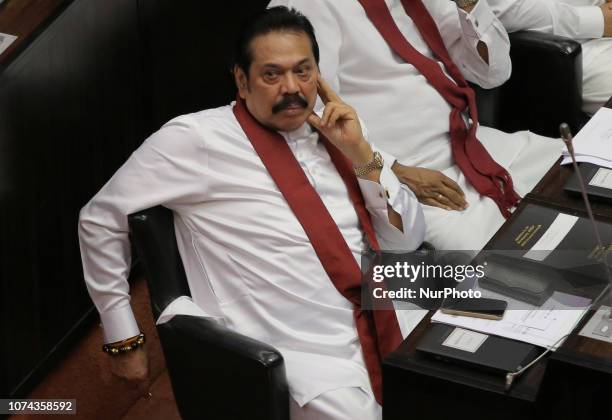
[[475, 307]]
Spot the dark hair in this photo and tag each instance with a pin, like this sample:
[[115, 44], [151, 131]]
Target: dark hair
[[277, 18]]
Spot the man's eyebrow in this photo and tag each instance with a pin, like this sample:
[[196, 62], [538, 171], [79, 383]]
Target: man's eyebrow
[[271, 65], [278, 66], [304, 61]]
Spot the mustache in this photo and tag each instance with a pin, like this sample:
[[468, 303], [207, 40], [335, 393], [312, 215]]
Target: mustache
[[289, 100]]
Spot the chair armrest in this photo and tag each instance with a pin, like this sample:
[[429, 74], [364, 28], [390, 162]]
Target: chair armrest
[[426, 246], [153, 237], [488, 103], [545, 88], [199, 349]]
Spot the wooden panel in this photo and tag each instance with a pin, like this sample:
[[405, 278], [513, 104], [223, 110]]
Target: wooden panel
[[72, 111], [74, 104]]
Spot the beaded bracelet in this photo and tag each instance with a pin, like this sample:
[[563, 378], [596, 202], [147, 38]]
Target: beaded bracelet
[[124, 346]]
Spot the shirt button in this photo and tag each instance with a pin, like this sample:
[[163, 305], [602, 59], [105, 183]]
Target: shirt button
[[476, 22]]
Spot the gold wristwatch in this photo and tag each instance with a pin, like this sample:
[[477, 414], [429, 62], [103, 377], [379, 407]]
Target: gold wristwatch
[[377, 162]]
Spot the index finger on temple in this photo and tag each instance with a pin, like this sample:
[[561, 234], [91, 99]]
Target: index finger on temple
[[326, 92]]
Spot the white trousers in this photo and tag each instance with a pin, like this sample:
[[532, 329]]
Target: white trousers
[[596, 73], [338, 404], [526, 156], [596, 66]]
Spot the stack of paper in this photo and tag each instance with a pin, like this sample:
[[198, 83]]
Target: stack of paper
[[545, 326], [594, 142]]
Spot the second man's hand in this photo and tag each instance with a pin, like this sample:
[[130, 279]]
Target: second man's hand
[[606, 9], [431, 187]]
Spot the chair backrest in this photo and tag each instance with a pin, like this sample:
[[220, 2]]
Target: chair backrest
[[152, 234], [545, 88]]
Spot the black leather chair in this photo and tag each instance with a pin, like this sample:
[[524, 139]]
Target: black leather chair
[[544, 90], [216, 373]]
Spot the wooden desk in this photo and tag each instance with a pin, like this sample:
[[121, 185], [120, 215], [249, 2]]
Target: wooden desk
[[73, 107], [573, 383], [419, 388], [549, 191], [582, 366], [578, 350]]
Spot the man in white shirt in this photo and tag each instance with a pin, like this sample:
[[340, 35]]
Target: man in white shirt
[[409, 116], [587, 21], [270, 221]]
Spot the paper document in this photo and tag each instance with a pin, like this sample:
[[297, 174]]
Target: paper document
[[599, 326], [593, 143], [542, 326], [465, 340], [553, 236], [5, 41], [602, 178]]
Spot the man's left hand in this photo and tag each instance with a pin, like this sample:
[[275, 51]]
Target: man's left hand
[[340, 124], [606, 9], [431, 187]]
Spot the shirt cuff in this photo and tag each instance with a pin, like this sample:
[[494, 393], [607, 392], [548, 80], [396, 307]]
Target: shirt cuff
[[378, 195], [591, 22], [478, 21], [183, 305], [119, 324]]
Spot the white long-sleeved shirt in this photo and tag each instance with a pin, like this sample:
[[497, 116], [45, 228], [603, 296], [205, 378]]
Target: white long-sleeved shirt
[[578, 19], [248, 260]]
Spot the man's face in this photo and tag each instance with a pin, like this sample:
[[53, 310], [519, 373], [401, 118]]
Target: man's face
[[281, 88]]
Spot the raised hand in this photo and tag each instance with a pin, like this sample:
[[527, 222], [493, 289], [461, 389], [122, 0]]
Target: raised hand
[[606, 9], [431, 187], [340, 124]]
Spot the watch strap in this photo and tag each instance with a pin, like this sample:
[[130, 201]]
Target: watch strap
[[377, 162]]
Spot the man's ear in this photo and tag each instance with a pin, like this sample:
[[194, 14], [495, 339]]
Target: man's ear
[[241, 81]]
